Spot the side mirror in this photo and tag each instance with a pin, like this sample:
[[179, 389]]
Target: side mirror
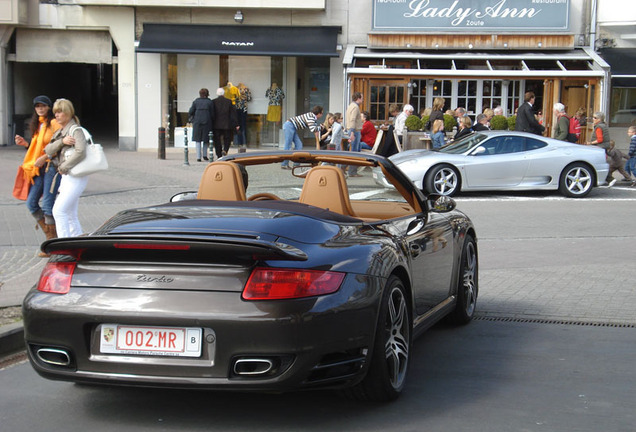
[[441, 203], [184, 196], [479, 150]]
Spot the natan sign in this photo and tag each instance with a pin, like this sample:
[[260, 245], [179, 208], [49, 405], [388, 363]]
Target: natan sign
[[471, 15]]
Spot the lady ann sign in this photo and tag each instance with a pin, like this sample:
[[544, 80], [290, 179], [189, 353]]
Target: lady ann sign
[[471, 15]]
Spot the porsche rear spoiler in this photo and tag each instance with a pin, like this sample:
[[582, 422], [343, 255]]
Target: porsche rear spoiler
[[200, 248]]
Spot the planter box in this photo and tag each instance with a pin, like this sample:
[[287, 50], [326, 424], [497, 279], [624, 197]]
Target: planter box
[[416, 140]]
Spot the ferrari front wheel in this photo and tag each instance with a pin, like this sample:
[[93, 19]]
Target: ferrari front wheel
[[442, 180]]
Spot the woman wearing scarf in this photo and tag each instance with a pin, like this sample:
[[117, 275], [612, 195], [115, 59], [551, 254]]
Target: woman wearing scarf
[[36, 168]]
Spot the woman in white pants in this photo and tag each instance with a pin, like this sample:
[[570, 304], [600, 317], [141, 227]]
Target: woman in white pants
[[67, 149]]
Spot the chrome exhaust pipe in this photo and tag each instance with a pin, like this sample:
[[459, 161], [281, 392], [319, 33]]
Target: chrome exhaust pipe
[[253, 367], [54, 356]]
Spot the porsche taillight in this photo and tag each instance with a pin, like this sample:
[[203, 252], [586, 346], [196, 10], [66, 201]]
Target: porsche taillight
[[56, 277], [276, 284]]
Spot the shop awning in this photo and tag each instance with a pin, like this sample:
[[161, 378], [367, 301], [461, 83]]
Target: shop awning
[[623, 65], [578, 63], [239, 40]]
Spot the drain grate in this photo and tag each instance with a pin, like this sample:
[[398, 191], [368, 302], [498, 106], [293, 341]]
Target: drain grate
[[554, 321]]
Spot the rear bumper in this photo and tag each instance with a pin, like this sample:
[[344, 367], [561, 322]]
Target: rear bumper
[[306, 343]]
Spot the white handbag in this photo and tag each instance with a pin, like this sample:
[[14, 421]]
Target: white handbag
[[95, 159]]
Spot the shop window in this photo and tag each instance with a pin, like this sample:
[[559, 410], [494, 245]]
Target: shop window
[[623, 106], [492, 92], [382, 95], [467, 96], [514, 97]]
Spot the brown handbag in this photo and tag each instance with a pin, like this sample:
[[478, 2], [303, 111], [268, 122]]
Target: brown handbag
[[21, 186]]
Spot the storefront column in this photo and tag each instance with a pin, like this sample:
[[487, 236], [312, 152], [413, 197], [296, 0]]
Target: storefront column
[[5, 130], [148, 99]]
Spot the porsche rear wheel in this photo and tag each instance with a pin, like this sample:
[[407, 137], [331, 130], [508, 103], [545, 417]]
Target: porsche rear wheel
[[442, 180], [467, 284], [577, 180], [392, 348]]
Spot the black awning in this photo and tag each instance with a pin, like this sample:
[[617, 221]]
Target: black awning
[[239, 40], [622, 62]]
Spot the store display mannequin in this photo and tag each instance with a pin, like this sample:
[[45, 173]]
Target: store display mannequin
[[245, 96], [275, 96], [232, 92]]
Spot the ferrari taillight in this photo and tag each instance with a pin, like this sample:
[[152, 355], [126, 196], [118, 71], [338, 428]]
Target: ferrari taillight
[[277, 284], [56, 277]]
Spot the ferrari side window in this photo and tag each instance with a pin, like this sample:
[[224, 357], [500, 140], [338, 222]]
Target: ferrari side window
[[533, 144]]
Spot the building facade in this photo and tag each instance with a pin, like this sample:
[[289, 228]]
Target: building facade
[[133, 66]]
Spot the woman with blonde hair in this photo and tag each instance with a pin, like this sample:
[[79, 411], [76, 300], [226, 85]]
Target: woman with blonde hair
[[465, 127], [437, 134], [67, 148], [325, 131], [438, 110]]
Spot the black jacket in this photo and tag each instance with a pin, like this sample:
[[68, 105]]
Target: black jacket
[[224, 114], [201, 115], [526, 121]]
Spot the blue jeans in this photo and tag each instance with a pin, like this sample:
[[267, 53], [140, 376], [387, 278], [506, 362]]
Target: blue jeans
[[630, 166], [41, 188], [291, 136], [355, 147]]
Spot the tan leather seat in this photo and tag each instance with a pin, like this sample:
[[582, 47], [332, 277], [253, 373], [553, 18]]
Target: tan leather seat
[[222, 181], [325, 187]]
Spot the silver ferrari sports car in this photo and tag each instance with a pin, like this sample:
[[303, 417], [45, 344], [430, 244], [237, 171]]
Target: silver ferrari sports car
[[502, 161], [263, 279]]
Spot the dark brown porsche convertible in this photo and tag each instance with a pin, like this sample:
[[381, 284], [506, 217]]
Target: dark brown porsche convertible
[[263, 280]]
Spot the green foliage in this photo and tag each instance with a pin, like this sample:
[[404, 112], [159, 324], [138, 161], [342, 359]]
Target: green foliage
[[425, 120], [449, 122], [512, 121], [499, 122], [413, 123]]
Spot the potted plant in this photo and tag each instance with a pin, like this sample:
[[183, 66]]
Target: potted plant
[[512, 121], [499, 122], [413, 123]]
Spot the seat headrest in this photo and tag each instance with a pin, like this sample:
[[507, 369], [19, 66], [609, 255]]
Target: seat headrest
[[326, 187], [222, 180]]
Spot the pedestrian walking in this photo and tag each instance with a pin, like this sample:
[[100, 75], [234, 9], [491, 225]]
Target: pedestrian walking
[[67, 148], [601, 131], [201, 116], [562, 127], [225, 121], [353, 121], [630, 165], [615, 160], [37, 173]]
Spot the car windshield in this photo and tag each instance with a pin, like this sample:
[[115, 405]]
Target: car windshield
[[463, 145], [288, 185]]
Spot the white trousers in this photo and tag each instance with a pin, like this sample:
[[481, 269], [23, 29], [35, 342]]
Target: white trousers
[[67, 222]]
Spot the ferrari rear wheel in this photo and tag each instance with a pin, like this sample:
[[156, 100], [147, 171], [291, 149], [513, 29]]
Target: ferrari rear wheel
[[577, 180], [386, 377], [442, 180], [467, 284]]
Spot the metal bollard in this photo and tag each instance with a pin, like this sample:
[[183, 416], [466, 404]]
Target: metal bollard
[[185, 148], [162, 143], [211, 146]]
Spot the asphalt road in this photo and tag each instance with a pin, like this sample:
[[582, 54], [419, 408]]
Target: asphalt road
[[487, 376]]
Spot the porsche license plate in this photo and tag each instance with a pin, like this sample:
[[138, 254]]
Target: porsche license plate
[[159, 341]]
